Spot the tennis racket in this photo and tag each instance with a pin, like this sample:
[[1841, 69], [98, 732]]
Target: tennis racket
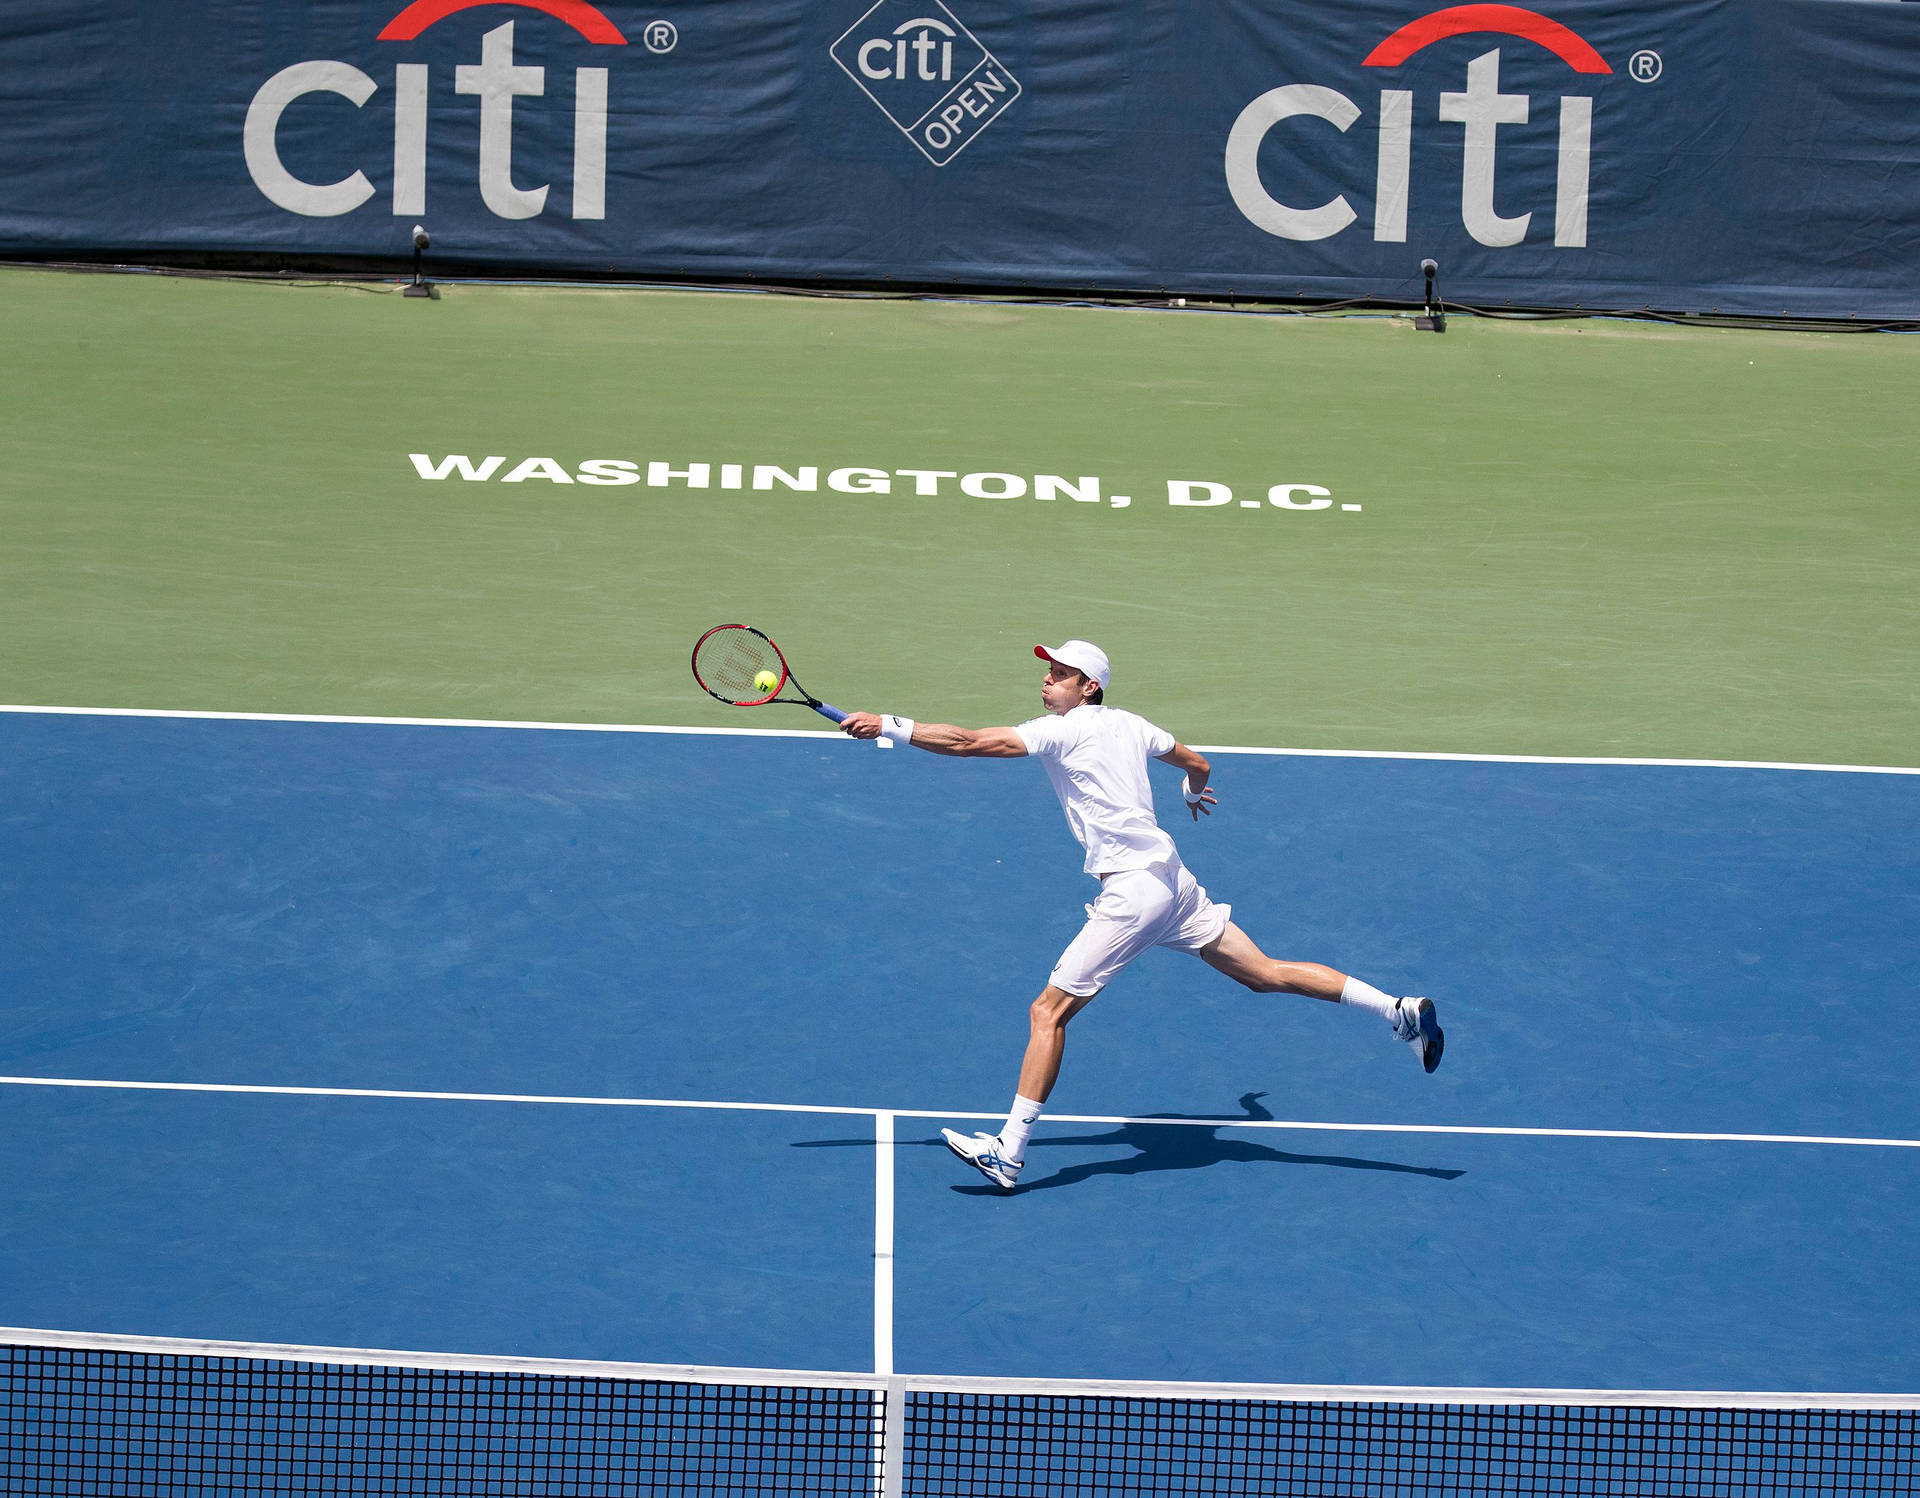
[[728, 661]]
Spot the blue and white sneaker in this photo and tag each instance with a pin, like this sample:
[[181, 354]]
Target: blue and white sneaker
[[983, 1153], [1415, 1022]]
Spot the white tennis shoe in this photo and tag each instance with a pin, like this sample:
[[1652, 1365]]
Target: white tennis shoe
[[1415, 1022], [984, 1154]]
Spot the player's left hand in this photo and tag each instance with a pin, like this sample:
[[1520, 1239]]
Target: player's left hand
[[861, 725], [1206, 803]]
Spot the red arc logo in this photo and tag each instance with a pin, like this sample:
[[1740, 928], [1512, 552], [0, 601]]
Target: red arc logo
[[582, 17], [1511, 20]]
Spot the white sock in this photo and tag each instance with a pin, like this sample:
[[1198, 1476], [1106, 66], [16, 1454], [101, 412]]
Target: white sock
[[1024, 1114], [1366, 996]]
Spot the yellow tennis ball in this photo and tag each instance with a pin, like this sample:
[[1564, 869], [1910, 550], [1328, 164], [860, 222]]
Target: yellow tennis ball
[[766, 681]]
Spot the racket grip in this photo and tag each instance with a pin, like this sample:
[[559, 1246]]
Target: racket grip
[[828, 710]]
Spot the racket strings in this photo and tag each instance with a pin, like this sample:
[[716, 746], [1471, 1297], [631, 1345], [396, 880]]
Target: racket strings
[[727, 661]]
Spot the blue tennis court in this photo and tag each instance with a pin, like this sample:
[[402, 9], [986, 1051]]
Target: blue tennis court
[[633, 1046]]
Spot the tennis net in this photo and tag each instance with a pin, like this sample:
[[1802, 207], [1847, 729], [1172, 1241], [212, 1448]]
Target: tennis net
[[137, 1416]]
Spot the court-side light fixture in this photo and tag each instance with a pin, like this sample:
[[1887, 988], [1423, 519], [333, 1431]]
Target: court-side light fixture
[[420, 286], [1434, 319]]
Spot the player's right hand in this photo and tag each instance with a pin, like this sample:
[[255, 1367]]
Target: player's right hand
[[1206, 803], [861, 725]]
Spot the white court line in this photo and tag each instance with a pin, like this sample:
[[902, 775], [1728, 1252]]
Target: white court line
[[1312, 1126], [372, 1357], [834, 734], [371, 722], [1563, 759], [883, 1244], [890, 1441]]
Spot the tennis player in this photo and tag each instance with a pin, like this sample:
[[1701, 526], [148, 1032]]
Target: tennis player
[[1096, 756]]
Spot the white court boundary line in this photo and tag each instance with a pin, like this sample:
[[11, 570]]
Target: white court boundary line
[[375, 722], [832, 734], [1314, 1126], [890, 1441], [801, 1378]]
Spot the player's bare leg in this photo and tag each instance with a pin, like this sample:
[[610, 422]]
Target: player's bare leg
[[1047, 1039], [1234, 953], [998, 1157], [1413, 1018]]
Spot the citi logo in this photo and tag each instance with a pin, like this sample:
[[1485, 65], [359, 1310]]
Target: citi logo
[[927, 73], [497, 79], [1480, 110]]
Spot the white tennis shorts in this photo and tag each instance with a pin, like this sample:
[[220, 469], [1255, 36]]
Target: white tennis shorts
[[1163, 906]]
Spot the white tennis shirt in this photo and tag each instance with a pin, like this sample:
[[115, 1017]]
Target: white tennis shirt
[[1096, 758]]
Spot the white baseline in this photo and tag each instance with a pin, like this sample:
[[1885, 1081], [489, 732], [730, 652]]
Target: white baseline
[[834, 734]]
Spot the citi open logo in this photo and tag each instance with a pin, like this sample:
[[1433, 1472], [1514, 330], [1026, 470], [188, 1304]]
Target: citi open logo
[[1479, 110], [497, 79], [928, 74]]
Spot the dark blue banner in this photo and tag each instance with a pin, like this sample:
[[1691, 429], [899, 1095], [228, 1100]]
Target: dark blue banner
[[1740, 156]]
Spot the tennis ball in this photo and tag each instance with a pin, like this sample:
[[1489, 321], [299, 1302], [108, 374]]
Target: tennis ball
[[766, 681]]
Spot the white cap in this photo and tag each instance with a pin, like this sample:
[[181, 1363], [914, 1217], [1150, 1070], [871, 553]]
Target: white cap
[[1089, 660]]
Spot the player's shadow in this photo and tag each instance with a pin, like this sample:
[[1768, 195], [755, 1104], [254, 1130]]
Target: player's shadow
[[1182, 1142]]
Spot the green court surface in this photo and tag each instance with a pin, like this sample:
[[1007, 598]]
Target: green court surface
[[1571, 538]]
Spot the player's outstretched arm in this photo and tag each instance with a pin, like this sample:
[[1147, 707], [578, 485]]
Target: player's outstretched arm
[[944, 738], [1196, 769]]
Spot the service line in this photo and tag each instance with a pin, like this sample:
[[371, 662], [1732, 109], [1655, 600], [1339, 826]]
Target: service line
[[1311, 1126]]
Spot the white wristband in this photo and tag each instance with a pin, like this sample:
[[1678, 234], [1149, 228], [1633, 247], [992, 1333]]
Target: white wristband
[[894, 727], [1187, 790]]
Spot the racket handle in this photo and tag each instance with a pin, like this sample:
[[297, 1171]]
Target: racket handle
[[828, 710]]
